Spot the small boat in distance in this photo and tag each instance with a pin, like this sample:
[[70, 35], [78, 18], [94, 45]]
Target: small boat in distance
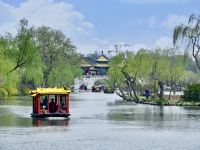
[[50, 102]]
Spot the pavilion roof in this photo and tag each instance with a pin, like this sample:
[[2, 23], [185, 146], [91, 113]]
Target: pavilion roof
[[85, 64], [102, 58]]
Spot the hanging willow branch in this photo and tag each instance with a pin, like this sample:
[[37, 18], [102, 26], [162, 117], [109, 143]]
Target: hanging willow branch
[[191, 33]]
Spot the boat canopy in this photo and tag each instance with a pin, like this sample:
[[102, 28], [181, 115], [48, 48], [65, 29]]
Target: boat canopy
[[49, 91]]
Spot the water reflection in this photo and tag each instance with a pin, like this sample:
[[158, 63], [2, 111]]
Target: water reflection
[[16, 101], [50, 122], [9, 118], [129, 111], [157, 117]]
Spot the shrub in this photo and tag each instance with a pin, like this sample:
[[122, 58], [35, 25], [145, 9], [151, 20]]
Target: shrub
[[25, 91], [3, 92], [192, 93], [12, 91]]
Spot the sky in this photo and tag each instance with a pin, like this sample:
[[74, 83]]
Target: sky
[[98, 25]]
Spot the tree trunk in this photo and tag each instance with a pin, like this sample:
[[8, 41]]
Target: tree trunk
[[130, 91], [161, 86], [180, 86], [170, 92], [195, 54], [197, 62], [135, 94], [174, 88], [15, 68], [131, 82], [123, 95]]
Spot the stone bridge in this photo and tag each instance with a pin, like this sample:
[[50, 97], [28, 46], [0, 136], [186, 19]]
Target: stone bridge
[[87, 81]]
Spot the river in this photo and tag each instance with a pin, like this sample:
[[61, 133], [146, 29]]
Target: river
[[99, 122]]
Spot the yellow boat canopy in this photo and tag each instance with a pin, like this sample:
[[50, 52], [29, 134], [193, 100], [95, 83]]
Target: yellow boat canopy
[[49, 91]]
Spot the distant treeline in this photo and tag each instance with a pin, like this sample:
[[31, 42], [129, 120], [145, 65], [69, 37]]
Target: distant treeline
[[158, 69], [35, 57], [131, 73]]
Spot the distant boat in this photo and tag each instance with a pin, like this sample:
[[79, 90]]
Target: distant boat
[[83, 87], [107, 91], [99, 88]]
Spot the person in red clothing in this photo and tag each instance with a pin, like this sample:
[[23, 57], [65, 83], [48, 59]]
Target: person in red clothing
[[52, 106]]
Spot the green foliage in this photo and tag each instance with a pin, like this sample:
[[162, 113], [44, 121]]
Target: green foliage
[[101, 82], [8, 82], [192, 93], [62, 76], [3, 92], [33, 72], [36, 57], [54, 47], [114, 72], [25, 91], [161, 65], [189, 34], [148, 69], [24, 49], [139, 64]]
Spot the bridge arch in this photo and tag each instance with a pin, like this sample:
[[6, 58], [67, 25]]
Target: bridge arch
[[87, 81]]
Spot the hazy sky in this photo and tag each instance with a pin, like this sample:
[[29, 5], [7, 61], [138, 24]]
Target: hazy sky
[[95, 25]]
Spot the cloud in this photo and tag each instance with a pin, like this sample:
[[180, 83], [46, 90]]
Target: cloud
[[136, 47], [94, 44], [170, 21], [105, 45], [173, 20], [153, 1], [163, 42], [150, 21], [58, 15]]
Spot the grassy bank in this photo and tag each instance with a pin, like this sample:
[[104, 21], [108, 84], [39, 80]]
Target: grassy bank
[[165, 102]]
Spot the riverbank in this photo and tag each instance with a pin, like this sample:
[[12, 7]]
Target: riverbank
[[165, 102], [169, 103], [175, 101]]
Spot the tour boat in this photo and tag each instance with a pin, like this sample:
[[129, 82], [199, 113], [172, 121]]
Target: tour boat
[[50, 102]]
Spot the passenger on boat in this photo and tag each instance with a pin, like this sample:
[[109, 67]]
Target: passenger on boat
[[45, 102], [62, 108], [52, 106], [63, 105], [44, 111]]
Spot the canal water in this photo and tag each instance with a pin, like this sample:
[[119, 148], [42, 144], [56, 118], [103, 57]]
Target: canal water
[[99, 122]]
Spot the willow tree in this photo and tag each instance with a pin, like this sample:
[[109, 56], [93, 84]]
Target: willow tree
[[137, 71], [160, 71], [116, 77], [8, 82], [21, 62], [129, 73], [177, 68], [24, 49], [191, 34]]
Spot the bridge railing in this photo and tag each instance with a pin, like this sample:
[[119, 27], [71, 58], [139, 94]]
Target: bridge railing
[[94, 76]]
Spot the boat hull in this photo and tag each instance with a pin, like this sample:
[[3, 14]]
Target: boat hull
[[66, 115]]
